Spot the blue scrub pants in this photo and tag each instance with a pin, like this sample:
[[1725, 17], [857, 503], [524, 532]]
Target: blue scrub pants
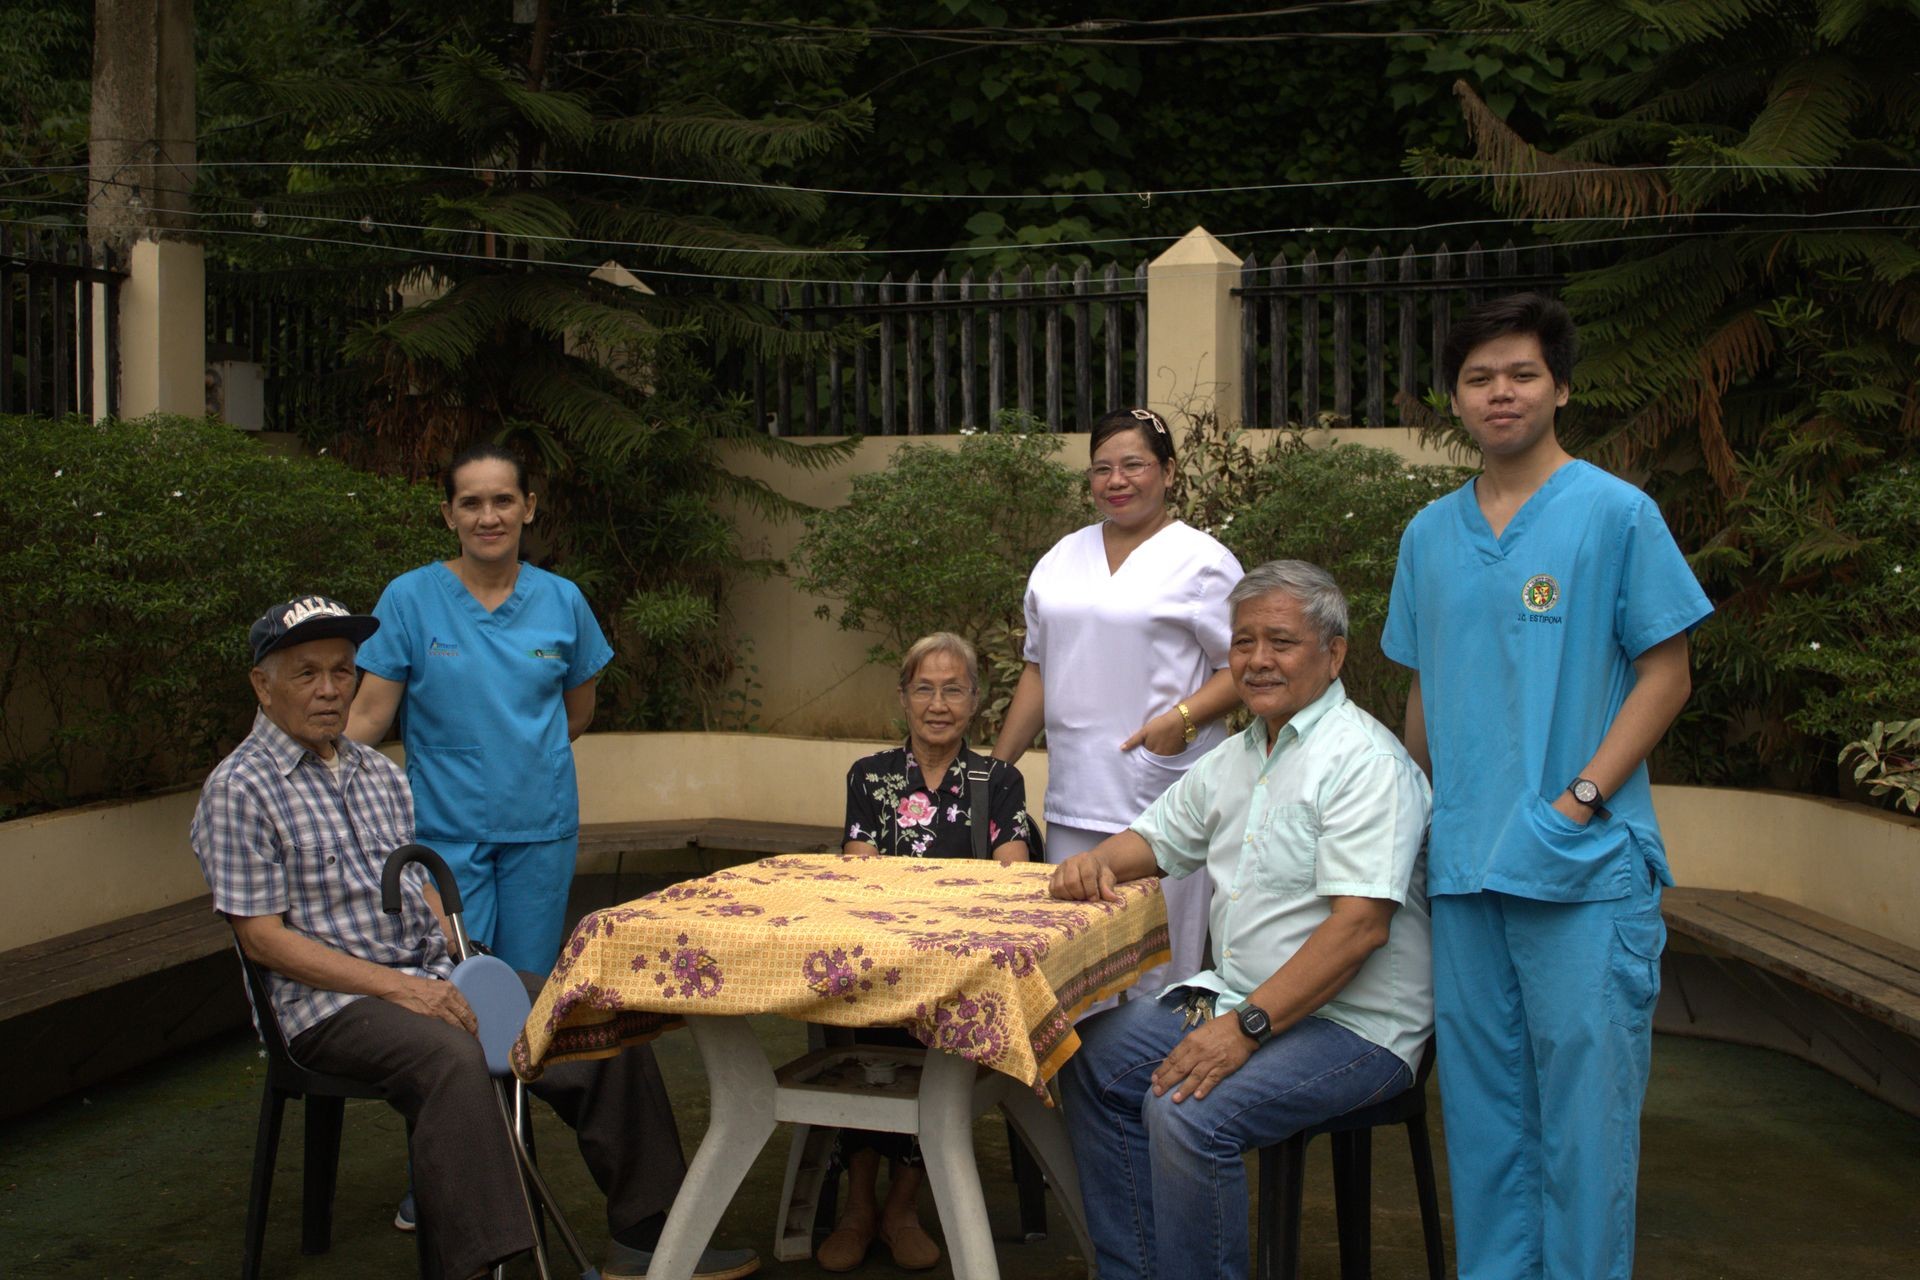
[[513, 897], [1544, 1017]]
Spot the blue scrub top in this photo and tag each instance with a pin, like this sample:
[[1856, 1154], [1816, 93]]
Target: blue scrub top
[[482, 720], [1525, 646]]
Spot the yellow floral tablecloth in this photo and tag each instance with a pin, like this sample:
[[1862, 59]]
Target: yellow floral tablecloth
[[970, 957]]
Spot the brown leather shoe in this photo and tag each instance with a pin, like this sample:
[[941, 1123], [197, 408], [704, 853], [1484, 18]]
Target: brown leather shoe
[[844, 1250], [913, 1249]]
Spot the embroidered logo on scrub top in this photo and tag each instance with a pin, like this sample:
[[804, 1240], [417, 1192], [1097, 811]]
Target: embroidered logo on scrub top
[[1540, 594], [550, 655], [441, 649]]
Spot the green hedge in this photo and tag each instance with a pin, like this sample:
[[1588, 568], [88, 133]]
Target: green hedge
[[1342, 508], [137, 554]]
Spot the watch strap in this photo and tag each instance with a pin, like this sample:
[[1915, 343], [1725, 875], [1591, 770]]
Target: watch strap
[[1597, 805]]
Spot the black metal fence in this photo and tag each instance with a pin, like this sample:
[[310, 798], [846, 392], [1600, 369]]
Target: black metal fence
[[299, 344], [941, 355], [1333, 339], [1299, 358], [48, 296]]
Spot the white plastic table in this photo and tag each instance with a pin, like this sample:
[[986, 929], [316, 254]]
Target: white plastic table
[[974, 959]]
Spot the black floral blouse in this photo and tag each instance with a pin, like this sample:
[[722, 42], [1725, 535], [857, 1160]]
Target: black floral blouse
[[890, 806]]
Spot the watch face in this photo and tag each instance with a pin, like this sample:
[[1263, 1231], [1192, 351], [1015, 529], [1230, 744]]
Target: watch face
[[1585, 792], [1254, 1022]]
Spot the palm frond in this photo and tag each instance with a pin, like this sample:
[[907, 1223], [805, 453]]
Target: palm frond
[[1539, 184], [470, 89], [706, 127]]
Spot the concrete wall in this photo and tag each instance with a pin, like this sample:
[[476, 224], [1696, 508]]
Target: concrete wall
[[813, 677], [1853, 863], [81, 867]]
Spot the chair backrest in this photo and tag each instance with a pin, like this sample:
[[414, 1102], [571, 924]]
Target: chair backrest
[[500, 1005], [265, 1021], [286, 1073]]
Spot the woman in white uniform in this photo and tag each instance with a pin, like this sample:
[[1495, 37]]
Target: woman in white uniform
[[1126, 653]]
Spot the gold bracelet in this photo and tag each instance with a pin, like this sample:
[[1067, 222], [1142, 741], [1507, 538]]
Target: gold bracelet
[[1193, 730]]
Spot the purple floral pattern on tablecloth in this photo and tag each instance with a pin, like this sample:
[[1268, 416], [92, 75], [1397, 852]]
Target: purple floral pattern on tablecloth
[[974, 958]]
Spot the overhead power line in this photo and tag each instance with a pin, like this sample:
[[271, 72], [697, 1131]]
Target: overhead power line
[[368, 223], [1071, 197], [672, 273]]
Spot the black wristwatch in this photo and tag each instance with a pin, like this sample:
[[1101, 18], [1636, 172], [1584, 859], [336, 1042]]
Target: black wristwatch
[[1587, 793], [1255, 1024]]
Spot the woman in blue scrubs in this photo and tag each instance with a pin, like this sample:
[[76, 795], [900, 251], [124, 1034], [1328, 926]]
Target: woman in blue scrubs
[[490, 664]]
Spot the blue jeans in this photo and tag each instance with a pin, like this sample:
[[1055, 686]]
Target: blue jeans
[[1164, 1183]]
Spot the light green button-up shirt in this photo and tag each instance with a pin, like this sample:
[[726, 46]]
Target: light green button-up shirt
[[1335, 808]]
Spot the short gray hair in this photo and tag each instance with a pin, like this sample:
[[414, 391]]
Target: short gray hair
[[941, 642], [1319, 595]]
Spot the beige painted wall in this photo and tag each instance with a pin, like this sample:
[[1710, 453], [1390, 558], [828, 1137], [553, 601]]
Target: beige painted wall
[[1855, 864], [813, 677], [81, 867]]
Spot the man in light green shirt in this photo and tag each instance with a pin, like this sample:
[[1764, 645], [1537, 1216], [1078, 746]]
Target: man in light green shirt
[[1312, 823]]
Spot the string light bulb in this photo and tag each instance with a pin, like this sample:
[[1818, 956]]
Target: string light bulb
[[259, 218]]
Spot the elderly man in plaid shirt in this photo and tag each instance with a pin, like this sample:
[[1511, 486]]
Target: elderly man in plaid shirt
[[292, 832]]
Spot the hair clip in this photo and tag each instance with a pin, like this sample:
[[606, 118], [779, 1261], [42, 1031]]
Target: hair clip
[[1149, 416]]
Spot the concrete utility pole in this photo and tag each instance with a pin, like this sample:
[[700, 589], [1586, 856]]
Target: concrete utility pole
[[142, 162]]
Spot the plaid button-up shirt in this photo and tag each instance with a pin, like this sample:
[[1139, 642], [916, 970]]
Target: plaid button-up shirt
[[278, 835]]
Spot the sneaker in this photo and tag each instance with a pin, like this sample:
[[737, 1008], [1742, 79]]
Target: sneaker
[[624, 1262], [404, 1218]]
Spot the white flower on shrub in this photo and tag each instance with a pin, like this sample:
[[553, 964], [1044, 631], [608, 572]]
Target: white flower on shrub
[[1814, 645]]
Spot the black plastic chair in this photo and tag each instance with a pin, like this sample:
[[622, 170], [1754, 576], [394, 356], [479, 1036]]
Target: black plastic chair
[[325, 1098], [1283, 1174]]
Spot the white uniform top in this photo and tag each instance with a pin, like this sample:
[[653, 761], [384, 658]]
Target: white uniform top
[[1114, 650]]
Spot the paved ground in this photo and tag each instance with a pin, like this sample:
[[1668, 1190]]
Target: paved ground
[[1756, 1166]]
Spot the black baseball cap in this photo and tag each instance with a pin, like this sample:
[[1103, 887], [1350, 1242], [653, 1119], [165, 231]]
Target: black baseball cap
[[308, 618]]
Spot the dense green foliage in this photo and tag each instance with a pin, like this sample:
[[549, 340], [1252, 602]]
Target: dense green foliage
[[138, 553], [490, 145], [1050, 129], [1342, 508], [887, 558], [943, 540], [1752, 339]]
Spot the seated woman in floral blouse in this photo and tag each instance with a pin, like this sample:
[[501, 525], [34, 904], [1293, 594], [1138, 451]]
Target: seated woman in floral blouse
[[917, 801], [891, 808]]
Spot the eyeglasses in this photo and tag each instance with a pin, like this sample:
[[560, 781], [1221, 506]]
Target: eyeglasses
[[951, 694], [1130, 469]]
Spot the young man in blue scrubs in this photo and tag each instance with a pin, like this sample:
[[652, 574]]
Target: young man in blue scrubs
[[1544, 609]]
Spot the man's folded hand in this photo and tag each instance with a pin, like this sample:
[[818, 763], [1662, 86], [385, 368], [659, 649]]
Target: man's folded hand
[[1084, 878], [435, 999]]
